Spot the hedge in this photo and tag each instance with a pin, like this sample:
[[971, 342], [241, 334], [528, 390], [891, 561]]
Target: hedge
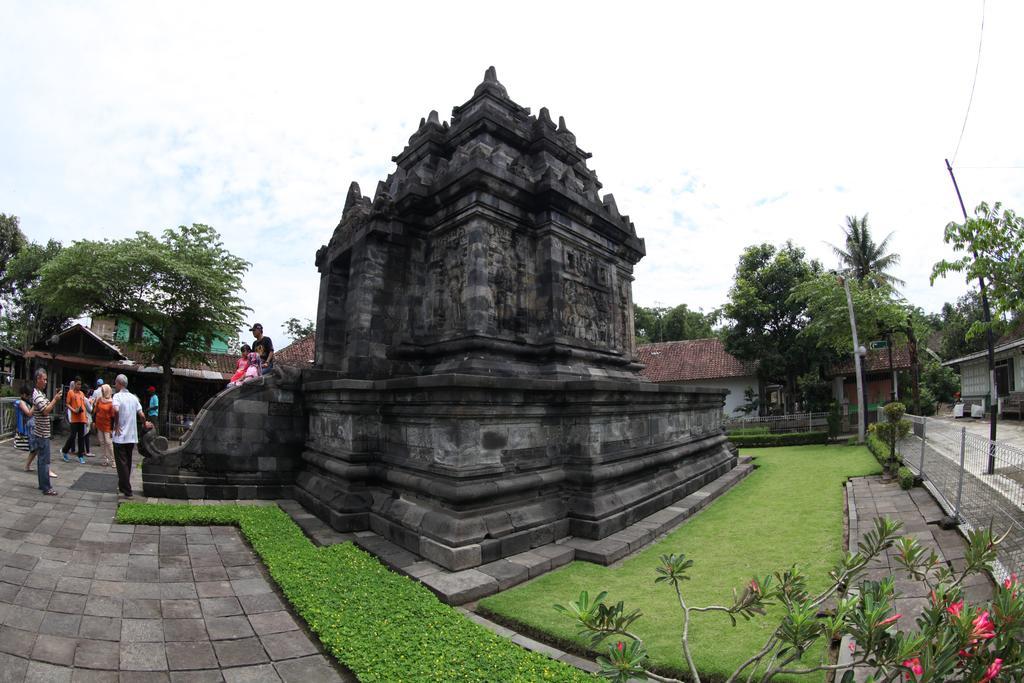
[[382, 626], [747, 431], [793, 439], [880, 449], [906, 478]]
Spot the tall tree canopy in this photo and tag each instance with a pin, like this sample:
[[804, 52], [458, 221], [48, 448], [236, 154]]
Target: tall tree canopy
[[878, 314], [766, 320], [12, 239], [184, 287], [867, 261], [299, 329], [660, 324], [26, 320], [993, 248], [957, 319]]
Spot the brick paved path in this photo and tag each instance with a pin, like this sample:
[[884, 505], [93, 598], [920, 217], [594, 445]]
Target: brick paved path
[[84, 599], [871, 497]]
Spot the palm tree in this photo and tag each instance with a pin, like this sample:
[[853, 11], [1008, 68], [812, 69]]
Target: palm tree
[[866, 260]]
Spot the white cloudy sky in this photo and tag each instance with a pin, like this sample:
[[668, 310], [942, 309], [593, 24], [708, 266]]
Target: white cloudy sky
[[716, 124]]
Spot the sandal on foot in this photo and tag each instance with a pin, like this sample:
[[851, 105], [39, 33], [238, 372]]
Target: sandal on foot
[[50, 492]]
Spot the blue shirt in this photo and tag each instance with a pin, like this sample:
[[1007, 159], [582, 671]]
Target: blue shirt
[[154, 406]]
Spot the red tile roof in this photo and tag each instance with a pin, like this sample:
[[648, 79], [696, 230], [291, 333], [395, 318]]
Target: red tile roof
[[693, 359], [298, 354], [877, 361]]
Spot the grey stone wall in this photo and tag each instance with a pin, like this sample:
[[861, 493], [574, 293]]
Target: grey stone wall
[[245, 443]]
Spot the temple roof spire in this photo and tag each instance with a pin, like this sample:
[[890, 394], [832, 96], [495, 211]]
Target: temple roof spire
[[491, 83]]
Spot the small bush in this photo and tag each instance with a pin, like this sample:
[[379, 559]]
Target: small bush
[[747, 431], [906, 478], [383, 626], [765, 440]]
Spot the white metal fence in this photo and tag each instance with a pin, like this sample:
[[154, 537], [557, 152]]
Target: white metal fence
[[796, 422], [978, 482]]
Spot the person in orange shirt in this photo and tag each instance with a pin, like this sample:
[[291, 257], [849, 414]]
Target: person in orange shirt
[[76, 406], [103, 413]]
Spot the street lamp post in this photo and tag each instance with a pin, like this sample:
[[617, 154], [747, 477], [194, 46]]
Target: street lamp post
[[862, 416]]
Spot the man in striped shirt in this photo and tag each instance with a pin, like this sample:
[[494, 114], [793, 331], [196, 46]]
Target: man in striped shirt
[[41, 434]]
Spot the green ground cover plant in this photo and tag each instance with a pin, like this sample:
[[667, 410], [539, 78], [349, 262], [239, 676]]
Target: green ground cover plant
[[383, 626], [789, 511]]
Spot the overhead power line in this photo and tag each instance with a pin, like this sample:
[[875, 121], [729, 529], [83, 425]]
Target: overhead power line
[[970, 100]]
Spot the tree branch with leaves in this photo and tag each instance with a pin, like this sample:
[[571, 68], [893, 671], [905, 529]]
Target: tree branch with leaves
[[184, 287]]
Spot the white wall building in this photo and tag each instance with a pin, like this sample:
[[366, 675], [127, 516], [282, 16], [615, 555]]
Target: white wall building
[[1009, 366]]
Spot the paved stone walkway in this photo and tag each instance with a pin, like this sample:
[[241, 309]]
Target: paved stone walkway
[[84, 599], [872, 497]]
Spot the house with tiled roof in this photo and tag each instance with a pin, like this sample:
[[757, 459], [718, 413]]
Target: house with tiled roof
[[878, 376], [298, 354], [78, 351], [703, 363]]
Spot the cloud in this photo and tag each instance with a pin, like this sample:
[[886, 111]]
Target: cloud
[[715, 126]]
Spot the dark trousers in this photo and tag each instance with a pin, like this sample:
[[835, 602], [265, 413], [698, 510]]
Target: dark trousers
[[77, 435], [123, 461]]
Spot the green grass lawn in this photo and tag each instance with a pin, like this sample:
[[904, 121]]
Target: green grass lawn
[[790, 510]]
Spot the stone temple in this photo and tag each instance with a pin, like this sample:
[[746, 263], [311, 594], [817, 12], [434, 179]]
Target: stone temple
[[474, 393]]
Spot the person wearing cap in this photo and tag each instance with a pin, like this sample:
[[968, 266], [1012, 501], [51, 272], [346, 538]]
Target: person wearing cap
[[97, 393], [153, 411], [263, 346]]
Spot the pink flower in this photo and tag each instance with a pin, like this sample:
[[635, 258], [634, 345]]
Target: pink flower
[[983, 627], [893, 618], [853, 646], [1010, 582], [956, 608], [619, 646], [754, 588], [914, 665], [993, 670]]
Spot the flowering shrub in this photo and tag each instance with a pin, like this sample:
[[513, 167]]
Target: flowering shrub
[[952, 641]]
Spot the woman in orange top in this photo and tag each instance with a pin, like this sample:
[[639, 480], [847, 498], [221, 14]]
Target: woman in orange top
[[102, 414]]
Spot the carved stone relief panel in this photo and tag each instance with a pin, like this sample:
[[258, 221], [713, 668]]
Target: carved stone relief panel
[[507, 257], [586, 297], [446, 278]]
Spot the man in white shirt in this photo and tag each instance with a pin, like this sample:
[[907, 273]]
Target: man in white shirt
[[127, 410]]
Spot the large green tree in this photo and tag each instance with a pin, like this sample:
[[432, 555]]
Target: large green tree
[[25, 319], [183, 286], [299, 329], [766, 321], [866, 260], [878, 314], [956, 321], [992, 243], [659, 324], [12, 239]]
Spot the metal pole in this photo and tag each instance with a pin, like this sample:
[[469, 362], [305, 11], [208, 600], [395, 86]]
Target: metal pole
[[862, 415], [960, 484], [924, 432], [990, 342]]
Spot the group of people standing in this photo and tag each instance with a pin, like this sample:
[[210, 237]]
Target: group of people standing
[[113, 413]]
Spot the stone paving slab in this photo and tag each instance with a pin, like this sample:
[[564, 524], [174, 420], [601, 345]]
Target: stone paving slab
[[871, 497], [85, 599]]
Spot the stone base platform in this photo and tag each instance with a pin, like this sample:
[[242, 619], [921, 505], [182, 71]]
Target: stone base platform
[[468, 585]]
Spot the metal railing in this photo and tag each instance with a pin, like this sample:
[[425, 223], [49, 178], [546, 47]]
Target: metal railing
[[8, 417], [796, 422], [955, 464]]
